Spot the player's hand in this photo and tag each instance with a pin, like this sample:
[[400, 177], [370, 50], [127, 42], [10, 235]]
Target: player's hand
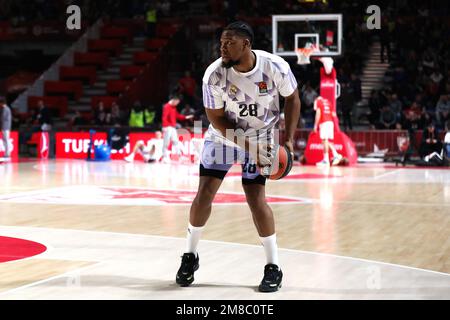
[[262, 153], [290, 145], [189, 117]]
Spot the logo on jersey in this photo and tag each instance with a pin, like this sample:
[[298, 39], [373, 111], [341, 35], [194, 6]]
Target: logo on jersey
[[326, 106], [262, 87], [233, 90]]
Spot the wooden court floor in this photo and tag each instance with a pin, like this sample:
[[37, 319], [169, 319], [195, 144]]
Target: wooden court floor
[[115, 230]]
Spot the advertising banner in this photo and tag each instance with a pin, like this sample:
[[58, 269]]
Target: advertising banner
[[13, 145]]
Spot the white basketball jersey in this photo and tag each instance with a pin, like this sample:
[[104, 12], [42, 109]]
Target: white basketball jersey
[[251, 99]]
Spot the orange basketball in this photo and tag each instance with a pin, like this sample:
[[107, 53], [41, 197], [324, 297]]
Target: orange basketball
[[281, 166]]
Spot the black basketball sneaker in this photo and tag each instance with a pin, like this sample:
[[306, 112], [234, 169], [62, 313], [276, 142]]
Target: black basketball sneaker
[[272, 278], [189, 264]]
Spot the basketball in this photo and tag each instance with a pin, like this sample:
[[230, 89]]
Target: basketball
[[281, 166]]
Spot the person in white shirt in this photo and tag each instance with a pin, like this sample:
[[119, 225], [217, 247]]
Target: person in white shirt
[[150, 152]]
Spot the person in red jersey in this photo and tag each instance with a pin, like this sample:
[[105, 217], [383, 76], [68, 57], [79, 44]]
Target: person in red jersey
[[170, 115], [324, 122]]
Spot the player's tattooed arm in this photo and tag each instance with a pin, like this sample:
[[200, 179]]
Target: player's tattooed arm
[[291, 115]]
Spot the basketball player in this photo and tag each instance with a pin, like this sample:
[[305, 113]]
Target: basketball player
[[241, 98], [150, 153], [5, 124], [170, 115], [324, 121]]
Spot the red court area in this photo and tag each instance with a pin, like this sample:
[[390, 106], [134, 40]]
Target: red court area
[[16, 249]]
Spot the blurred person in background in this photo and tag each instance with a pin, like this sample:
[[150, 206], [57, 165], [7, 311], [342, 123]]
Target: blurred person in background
[[170, 116], [5, 122], [44, 117], [150, 152], [188, 86], [430, 142]]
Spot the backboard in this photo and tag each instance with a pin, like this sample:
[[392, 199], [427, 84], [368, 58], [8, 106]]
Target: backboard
[[295, 31]]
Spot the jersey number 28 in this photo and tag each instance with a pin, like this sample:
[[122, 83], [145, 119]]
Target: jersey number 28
[[248, 110]]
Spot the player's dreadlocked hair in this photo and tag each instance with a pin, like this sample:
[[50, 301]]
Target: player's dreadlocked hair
[[241, 28]]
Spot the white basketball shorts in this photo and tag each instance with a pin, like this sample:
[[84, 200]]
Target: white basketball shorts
[[326, 130]]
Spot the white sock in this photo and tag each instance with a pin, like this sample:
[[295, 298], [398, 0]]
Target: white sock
[[271, 248], [326, 158], [335, 154], [193, 237]]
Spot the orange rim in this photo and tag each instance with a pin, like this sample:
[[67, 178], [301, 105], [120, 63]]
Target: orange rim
[[305, 51]]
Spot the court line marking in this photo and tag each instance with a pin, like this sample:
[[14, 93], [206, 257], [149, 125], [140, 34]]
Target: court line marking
[[235, 244], [415, 204], [66, 274], [49, 191], [23, 189], [301, 200], [190, 167], [79, 270], [386, 174]]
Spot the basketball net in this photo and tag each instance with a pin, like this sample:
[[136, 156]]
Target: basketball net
[[304, 54]]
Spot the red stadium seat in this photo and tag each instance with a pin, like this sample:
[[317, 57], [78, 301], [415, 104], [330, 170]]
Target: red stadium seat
[[34, 140], [166, 30], [88, 116], [134, 25], [97, 59], [56, 103], [121, 33], [144, 57], [130, 72], [107, 101], [87, 74], [156, 44], [116, 87], [113, 47], [59, 88]]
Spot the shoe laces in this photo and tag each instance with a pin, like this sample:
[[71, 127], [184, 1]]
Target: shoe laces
[[187, 262], [271, 273]]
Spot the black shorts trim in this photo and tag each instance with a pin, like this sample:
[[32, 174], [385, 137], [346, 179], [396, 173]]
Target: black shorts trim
[[219, 174], [258, 180]]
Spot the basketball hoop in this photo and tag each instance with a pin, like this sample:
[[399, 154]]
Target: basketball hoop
[[304, 54]]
